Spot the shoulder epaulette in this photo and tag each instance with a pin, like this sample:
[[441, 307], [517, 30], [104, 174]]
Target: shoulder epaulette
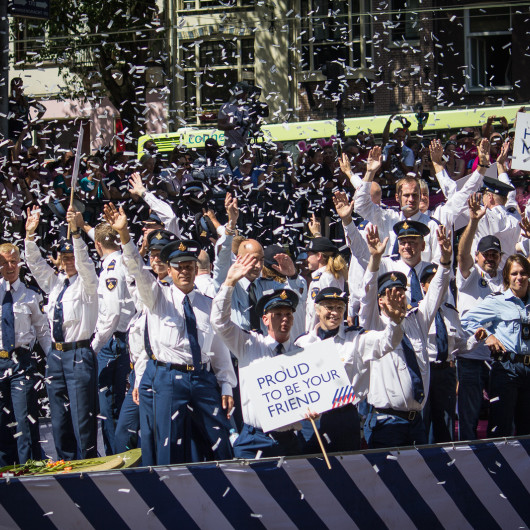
[[360, 329], [112, 265], [435, 220], [395, 257], [496, 294], [412, 310], [451, 306]]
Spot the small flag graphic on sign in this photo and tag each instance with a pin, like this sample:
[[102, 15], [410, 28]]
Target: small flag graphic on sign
[[343, 396]]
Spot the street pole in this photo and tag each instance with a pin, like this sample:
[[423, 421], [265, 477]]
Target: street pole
[[4, 76]]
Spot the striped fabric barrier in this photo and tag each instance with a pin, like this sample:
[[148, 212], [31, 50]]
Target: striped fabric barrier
[[484, 485]]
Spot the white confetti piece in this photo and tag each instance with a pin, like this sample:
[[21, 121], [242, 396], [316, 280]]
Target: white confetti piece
[[391, 457], [257, 515], [124, 490], [175, 415], [258, 455], [216, 444], [226, 491]]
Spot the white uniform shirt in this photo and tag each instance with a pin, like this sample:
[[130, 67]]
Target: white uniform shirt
[[471, 290], [390, 382], [321, 279], [167, 324], [204, 283], [80, 300], [247, 346], [30, 320], [357, 348], [116, 307], [164, 212]]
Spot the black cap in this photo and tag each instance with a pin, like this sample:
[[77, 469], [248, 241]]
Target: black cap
[[389, 280], [269, 253], [153, 218], [497, 187], [465, 134], [322, 244], [204, 229], [65, 247], [489, 243], [180, 250], [211, 143], [158, 239], [411, 228], [428, 271], [196, 194], [278, 298], [331, 293]]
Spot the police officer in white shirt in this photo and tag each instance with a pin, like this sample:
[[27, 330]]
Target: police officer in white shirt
[[116, 309], [276, 310], [183, 344], [476, 278], [340, 427], [22, 321], [399, 381], [72, 310]]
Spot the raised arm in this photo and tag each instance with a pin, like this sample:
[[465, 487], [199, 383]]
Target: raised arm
[[476, 213]]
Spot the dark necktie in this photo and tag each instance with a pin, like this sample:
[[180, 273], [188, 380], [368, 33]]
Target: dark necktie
[[58, 315], [324, 334], [255, 324], [191, 329], [279, 349], [414, 369], [8, 322], [441, 337], [416, 294]]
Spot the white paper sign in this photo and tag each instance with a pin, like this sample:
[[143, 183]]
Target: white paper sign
[[521, 143], [284, 387]]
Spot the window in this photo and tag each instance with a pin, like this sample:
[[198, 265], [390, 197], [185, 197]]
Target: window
[[488, 44], [28, 39], [211, 68], [334, 30], [188, 5], [405, 22]]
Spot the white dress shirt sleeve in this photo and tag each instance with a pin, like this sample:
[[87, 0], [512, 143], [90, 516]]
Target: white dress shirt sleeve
[[44, 274], [434, 297], [383, 219], [164, 211], [222, 366], [85, 266]]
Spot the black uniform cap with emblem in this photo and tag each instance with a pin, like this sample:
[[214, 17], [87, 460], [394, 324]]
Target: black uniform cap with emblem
[[204, 229], [428, 271], [389, 280], [332, 294], [196, 194], [410, 228], [65, 247], [158, 239], [496, 186], [269, 253], [322, 244], [489, 243], [154, 219], [180, 250], [278, 298]]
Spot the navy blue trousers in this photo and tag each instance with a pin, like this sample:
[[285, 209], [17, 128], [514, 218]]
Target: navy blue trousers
[[18, 408], [126, 435], [385, 430], [167, 396], [113, 370], [71, 379], [251, 440]]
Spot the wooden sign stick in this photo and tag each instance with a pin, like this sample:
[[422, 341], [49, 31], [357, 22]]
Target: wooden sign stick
[[320, 442]]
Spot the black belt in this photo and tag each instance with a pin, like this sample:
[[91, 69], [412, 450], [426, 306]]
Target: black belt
[[4, 354], [410, 415], [441, 365], [276, 435], [122, 335], [514, 357], [180, 367], [67, 346]]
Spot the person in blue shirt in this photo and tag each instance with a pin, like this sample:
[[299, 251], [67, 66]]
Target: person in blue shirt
[[506, 317]]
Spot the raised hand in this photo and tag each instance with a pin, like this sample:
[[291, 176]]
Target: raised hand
[[446, 248], [137, 186], [32, 221], [436, 150], [239, 269], [484, 152], [373, 163], [503, 155], [232, 210], [525, 226], [314, 226], [344, 164], [394, 304], [375, 246], [343, 207], [71, 218], [285, 265], [115, 218], [476, 209]]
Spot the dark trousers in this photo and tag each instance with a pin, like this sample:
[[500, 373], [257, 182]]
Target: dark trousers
[[19, 414], [171, 393], [386, 430], [252, 439], [340, 430], [72, 389], [126, 435], [113, 370], [510, 413], [439, 412], [473, 377]]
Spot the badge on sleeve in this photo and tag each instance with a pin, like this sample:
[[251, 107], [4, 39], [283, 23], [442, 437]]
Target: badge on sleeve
[[111, 283], [112, 265], [314, 292]]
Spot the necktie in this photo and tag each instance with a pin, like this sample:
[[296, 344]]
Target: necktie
[[58, 316], [255, 324], [191, 329], [441, 337], [326, 333], [414, 369], [279, 349], [8, 322], [416, 294]]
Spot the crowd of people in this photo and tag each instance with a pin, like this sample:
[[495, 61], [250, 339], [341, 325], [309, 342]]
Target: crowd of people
[[135, 304]]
